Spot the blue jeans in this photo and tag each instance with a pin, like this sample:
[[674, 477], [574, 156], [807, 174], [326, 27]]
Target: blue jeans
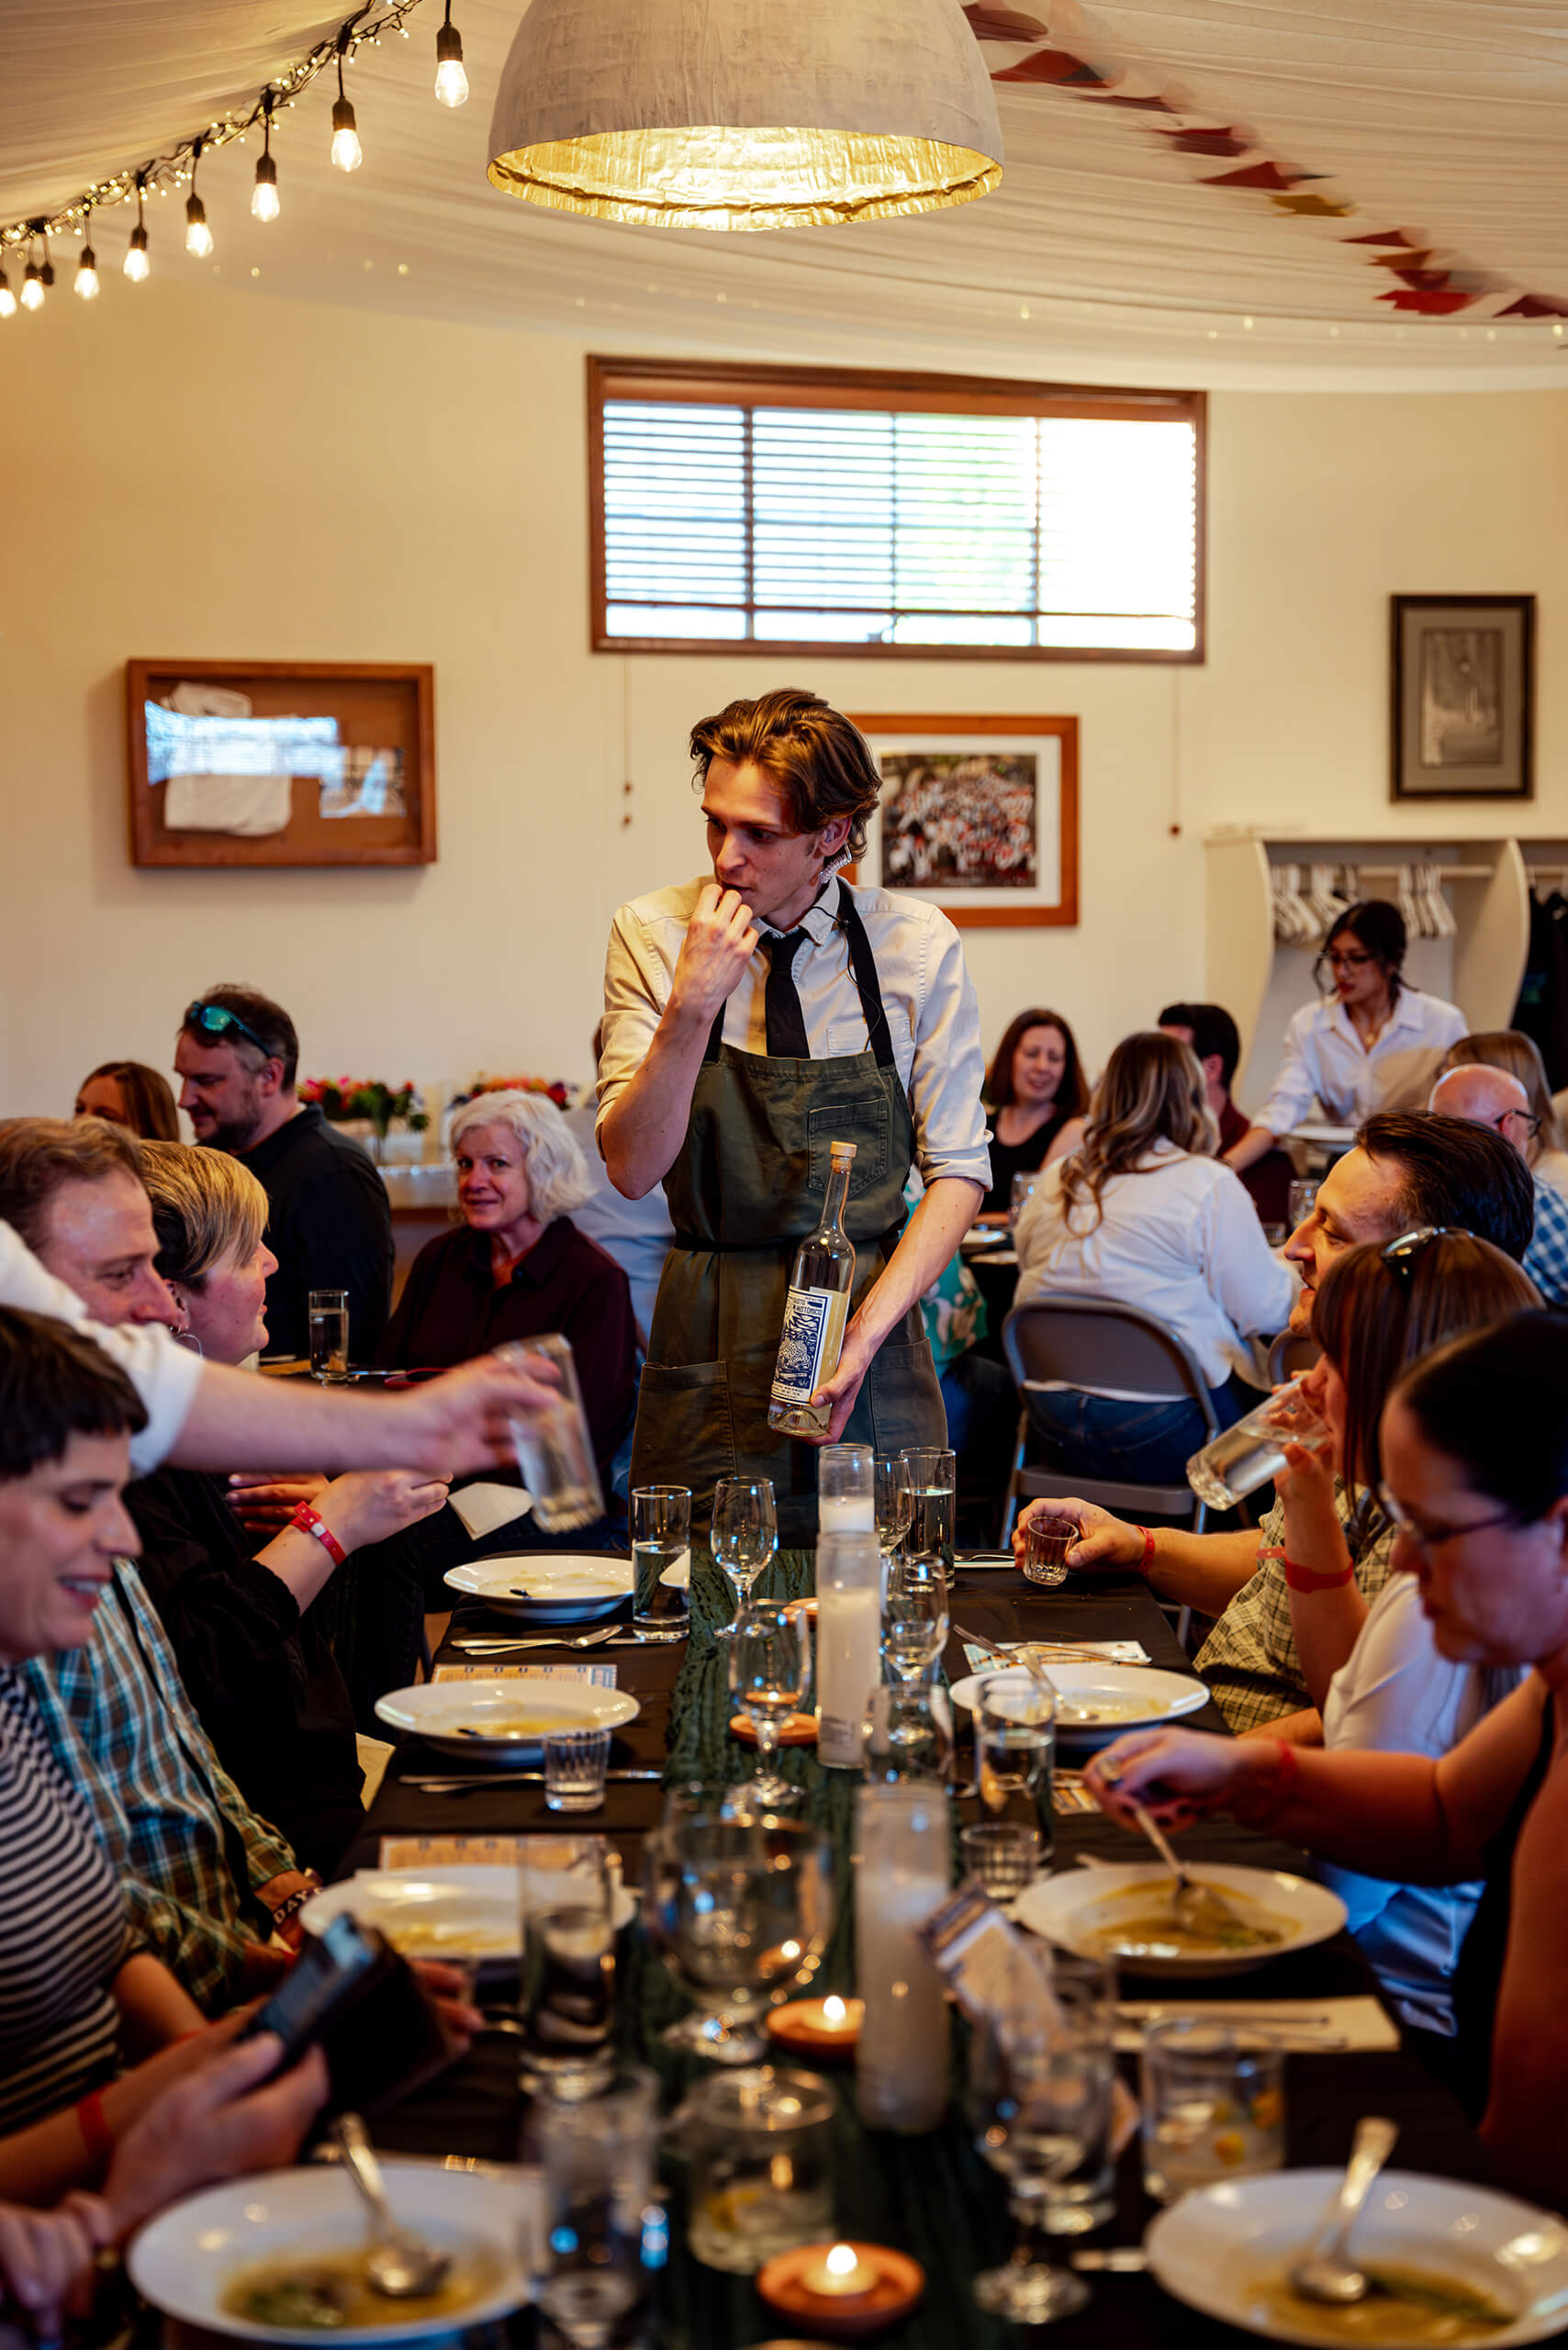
[[1139, 1444]]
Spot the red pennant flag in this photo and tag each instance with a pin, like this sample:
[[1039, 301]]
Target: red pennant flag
[[1432, 305], [1408, 257], [1003, 23], [1263, 175], [1383, 237], [1312, 207], [1425, 281], [1054, 65], [1145, 105], [1209, 142], [1535, 306]]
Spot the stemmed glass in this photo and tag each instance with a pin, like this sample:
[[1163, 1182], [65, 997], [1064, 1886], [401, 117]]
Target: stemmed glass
[[745, 1532], [1038, 2103], [746, 1908], [914, 1616], [770, 1669], [895, 1501]]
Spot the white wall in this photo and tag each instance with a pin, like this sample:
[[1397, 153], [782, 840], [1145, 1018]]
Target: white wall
[[200, 474]]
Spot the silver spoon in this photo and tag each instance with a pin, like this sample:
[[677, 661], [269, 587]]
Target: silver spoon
[[401, 2265], [1327, 2275], [1193, 1905]]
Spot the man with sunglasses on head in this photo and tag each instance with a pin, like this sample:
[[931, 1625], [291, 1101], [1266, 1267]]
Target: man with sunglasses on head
[[329, 1223], [1491, 1098], [1408, 1169]]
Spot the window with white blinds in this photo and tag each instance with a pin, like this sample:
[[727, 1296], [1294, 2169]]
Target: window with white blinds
[[869, 514]]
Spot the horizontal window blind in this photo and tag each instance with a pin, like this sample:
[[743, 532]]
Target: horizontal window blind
[[852, 521]]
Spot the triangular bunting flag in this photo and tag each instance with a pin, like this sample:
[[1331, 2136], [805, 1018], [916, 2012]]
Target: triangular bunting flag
[[1054, 65], [1260, 175], [1433, 304], [1209, 142], [1315, 208], [1003, 23], [1535, 306]]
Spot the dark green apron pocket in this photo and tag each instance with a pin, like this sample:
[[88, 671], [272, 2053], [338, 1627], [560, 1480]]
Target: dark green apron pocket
[[862, 1120], [905, 1399], [685, 1432]]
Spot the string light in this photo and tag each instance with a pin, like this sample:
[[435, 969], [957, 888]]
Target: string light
[[32, 288], [347, 152], [198, 236], [86, 280], [265, 205], [137, 265], [7, 300], [451, 80]]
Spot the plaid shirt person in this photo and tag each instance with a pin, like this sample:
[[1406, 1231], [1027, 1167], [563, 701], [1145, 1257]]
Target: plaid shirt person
[[1249, 1659], [179, 1835], [1546, 1258]]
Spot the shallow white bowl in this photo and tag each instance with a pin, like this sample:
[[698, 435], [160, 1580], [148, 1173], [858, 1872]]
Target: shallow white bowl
[[448, 1913], [549, 1587], [453, 1716], [1066, 1909], [1134, 1694]]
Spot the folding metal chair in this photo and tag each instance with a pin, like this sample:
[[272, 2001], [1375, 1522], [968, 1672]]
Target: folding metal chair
[[1289, 1356]]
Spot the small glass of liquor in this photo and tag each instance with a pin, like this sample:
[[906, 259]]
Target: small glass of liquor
[[815, 1309], [329, 1336], [1048, 1539], [661, 1559], [555, 1446]]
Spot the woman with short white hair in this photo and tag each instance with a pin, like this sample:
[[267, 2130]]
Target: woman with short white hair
[[517, 1266]]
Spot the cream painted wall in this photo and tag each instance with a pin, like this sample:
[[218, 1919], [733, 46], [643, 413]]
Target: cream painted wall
[[224, 475]]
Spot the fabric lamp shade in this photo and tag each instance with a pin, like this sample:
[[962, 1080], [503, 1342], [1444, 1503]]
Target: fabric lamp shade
[[745, 114]]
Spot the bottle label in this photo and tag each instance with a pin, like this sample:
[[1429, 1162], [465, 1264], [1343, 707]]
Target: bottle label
[[812, 1341]]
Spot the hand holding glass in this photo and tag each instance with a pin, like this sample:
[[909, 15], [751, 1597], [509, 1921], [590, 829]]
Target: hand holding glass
[[1246, 1456]]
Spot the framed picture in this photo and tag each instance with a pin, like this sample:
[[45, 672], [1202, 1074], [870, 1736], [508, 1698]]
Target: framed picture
[[1462, 685], [980, 814], [281, 762]]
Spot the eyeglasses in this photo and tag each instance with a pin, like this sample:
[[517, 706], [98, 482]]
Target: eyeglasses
[[1404, 1254], [1347, 962], [1428, 1539], [1533, 1122], [217, 1020]]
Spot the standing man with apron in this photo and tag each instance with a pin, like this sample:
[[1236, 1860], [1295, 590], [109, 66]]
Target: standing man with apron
[[750, 1022]]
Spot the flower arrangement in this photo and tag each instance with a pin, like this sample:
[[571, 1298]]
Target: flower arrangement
[[560, 1092], [343, 1097]]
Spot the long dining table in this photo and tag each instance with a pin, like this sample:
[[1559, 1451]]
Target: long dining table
[[931, 2195]]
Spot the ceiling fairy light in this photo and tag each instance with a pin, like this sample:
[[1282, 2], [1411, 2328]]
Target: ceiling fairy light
[[347, 152], [86, 280], [136, 264], [198, 236], [265, 205], [745, 114], [451, 80], [7, 300]]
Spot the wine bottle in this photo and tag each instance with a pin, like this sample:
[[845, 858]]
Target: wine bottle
[[815, 1309]]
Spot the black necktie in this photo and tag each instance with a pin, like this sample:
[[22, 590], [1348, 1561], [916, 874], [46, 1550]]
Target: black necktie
[[782, 1002]]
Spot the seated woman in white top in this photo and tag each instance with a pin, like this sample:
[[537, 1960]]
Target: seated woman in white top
[[1376, 1673], [1371, 1044], [1538, 1127], [1144, 1214]]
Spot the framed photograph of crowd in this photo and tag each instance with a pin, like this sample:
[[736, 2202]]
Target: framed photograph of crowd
[[980, 814], [1462, 691]]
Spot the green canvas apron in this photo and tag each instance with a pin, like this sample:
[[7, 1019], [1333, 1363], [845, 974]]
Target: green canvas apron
[[747, 1188]]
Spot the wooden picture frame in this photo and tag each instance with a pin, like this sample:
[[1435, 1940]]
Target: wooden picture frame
[[366, 743], [916, 752], [1463, 684]]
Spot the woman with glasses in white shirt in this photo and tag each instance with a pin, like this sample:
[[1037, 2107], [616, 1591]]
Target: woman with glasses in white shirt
[[1370, 1044], [1144, 1213]]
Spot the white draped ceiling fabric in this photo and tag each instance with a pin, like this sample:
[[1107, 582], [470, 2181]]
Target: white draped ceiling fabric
[[1112, 242]]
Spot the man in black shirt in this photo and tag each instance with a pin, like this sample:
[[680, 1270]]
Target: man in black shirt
[[329, 1224]]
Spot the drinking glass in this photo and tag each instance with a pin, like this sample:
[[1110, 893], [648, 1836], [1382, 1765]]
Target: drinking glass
[[895, 1501], [760, 2145], [329, 1336], [909, 1734], [770, 1669], [555, 1448], [932, 1481], [1015, 1737], [1046, 1541], [1302, 1199], [1022, 1187], [914, 1616], [567, 1997], [1036, 2098], [575, 1761], [1004, 1853], [1246, 1455], [598, 2162], [748, 1909], [745, 1532], [1213, 2103], [661, 1552]]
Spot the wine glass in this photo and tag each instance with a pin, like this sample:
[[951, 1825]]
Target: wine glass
[[1039, 2104], [745, 1532], [749, 1908], [914, 1616], [894, 1503], [770, 1668]]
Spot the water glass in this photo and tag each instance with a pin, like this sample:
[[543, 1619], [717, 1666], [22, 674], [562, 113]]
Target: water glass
[[598, 2162], [745, 1532], [1015, 1740], [909, 1734], [329, 1336], [555, 1448], [1022, 1188], [661, 1557], [750, 1904], [914, 1616], [932, 1480], [1005, 1854], [1037, 2099], [769, 1673], [1214, 2105], [1048, 1539], [575, 1761], [1302, 1199], [567, 1997], [760, 2143], [845, 1489], [1246, 1455], [894, 1500]]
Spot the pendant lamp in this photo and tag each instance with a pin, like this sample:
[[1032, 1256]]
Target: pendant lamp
[[745, 114]]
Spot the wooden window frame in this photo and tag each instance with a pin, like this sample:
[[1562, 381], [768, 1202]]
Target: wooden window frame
[[725, 384]]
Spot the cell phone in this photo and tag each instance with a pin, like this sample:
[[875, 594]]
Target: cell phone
[[378, 2025], [330, 1971]]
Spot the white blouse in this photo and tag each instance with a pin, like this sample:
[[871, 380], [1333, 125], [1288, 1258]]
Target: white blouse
[[1326, 1061]]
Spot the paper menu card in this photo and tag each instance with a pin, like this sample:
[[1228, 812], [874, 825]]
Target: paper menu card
[[1110, 1651], [602, 1677], [536, 1853]]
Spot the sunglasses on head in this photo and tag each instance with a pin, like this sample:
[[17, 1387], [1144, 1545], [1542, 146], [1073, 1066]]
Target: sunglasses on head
[[1403, 1255], [217, 1020]]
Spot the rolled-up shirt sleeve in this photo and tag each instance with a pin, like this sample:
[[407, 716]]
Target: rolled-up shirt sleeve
[[164, 1376], [633, 1006], [1295, 1088], [950, 1135], [1256, 1288]]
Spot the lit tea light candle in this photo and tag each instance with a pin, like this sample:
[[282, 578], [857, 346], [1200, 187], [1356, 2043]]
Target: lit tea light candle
[[840, 2276], [819, 2027]]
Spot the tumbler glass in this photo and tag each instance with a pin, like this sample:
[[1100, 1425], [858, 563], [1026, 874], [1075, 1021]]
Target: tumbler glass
[[661, 1559], [328, 1314], [1246, 1455], [1213, 2103], [555, 1449]]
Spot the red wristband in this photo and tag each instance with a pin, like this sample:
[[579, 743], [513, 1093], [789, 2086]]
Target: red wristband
[[1307, 1579], [97, 2135], [310, 1521], [1147, 1560]]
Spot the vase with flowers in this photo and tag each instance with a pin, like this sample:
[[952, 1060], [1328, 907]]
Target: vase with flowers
[[369, 1103]]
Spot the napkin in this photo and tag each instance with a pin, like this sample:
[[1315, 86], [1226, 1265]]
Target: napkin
[[484, 1507], [1326, 2026]]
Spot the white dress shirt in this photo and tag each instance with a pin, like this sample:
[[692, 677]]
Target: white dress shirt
[[1326, 1061], [932, 1010], [636, 1233], [165, 1376], [1394, 1694], [1180, 1237]]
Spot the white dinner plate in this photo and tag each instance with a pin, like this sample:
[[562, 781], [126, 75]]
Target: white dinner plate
[[467, 1718], [1072, 1905], [1100, 1701], [186, 2259], [446, 1912], [1211, 2248], [548, 1587]]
